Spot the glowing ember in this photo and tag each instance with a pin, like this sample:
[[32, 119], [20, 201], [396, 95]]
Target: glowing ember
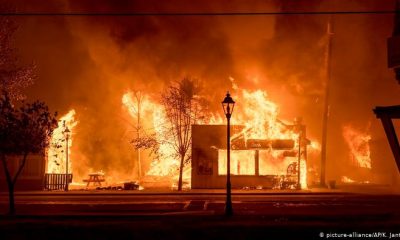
[[358, 143], [56, 153], [346, 179]]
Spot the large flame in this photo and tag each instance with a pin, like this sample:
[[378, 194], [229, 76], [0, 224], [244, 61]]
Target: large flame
[[56, 153], [358, 143], [254, 111], [154, 121], [259, 115], [166, 164]]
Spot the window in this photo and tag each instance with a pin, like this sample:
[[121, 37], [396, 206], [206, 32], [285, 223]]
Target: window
[[242, 162], [274, 165], [204, 163]]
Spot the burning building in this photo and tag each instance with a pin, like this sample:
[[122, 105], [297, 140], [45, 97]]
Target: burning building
[[255, 163], [89, 63]]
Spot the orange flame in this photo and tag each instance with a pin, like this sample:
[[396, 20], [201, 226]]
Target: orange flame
[[358, 143], [154, 118], [259, 115], [255, 111], [56, 153], [346, 179]]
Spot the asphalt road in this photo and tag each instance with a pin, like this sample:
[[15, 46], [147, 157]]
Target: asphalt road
[[110, 215], [130, 203]]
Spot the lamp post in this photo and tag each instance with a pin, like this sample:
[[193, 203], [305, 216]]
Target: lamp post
[[298, 125], [228, 104], [67, 133]]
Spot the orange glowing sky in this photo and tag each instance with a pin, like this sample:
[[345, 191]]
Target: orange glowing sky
[[87, 63]]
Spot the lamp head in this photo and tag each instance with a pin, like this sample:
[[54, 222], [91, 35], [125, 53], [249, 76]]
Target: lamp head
[[67, 132], [228, 104]]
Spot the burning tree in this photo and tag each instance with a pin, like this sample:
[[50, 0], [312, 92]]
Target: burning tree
[[23, 131], [135, 110], [183, 107]]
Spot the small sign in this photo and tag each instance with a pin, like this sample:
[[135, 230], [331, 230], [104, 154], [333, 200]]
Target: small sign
[[270, 143]]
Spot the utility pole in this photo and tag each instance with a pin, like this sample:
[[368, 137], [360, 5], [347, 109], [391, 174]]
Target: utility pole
[[138, 96], [325, 117]]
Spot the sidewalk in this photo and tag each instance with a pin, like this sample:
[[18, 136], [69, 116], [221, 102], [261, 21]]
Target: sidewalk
[[341, 189]]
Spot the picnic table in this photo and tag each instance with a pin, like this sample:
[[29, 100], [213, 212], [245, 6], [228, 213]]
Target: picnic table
[[95, 178]]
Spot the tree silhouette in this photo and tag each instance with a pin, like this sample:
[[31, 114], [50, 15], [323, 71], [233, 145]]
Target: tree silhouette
[[23, 131], [183, 107]]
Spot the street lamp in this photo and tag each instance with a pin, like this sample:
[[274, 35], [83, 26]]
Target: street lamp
[[67, 134], [298, 127], [228, 104]]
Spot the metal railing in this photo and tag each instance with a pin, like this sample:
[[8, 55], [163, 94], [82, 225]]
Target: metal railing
[[56, 181]]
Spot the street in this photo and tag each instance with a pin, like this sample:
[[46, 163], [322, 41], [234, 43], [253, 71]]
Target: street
[[173, 215]]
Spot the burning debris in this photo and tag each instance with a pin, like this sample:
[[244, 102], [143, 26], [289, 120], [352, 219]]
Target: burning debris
[[358, 144], [347, 180]]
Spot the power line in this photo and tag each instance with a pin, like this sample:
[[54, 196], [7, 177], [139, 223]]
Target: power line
[[111, 14]]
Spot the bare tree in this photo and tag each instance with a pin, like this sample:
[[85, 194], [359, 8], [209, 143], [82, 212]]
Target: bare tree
[[23, 131], [183, 107], [138, 127]]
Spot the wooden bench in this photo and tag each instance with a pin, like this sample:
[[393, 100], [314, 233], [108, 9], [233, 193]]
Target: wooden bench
[[95, 178]]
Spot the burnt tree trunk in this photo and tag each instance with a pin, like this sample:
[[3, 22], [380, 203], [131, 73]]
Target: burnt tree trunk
[[11, 182], [180, 173], [11, 201], [10, 186]]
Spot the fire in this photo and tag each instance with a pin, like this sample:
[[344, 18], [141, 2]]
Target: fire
[[56, 154], [346, 179], [165, 163], [137, 103], [259, 115], [254, 111], [358, 143], [242, 162]]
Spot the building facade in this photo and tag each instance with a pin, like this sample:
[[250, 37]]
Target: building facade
[[255, 163]]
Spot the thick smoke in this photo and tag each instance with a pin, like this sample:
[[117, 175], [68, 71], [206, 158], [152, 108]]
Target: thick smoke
[[89, 62]]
